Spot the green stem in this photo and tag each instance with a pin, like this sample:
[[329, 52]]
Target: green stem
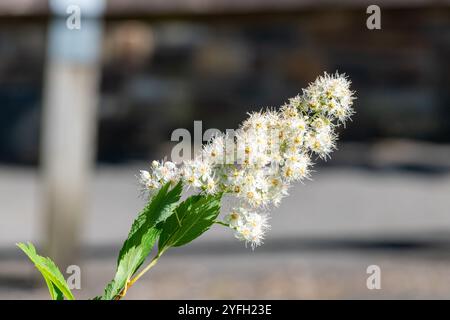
[[222, 223], [139, 275]]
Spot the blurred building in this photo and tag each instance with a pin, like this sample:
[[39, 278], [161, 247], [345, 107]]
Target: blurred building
[[167, 64]]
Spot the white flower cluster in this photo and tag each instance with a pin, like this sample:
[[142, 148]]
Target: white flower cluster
[[268, 152], [250, 226]]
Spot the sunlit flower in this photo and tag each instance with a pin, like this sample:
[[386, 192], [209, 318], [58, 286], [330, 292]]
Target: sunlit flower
[[249, 226], [268, 152]]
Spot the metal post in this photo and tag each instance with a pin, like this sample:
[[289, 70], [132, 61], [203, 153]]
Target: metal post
[[69, 123]]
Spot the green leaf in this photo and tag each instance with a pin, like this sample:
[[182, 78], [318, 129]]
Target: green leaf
[[54, 279], [55, 293], [142, 237], [191, 219]]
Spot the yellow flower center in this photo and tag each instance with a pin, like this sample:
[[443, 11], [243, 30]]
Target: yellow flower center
[[288, 172]]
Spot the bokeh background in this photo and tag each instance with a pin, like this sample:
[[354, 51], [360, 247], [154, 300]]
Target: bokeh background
[[155, 66]]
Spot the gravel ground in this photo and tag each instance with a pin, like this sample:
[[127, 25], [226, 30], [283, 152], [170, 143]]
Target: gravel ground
[[330, 275], [323, 238]]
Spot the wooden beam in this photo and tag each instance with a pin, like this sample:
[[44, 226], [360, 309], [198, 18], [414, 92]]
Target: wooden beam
[[152, 8]]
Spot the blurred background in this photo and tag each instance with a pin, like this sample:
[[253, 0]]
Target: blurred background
[[82, 110]]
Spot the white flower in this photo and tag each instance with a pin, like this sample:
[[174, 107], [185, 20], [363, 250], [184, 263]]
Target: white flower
[[249, 226], [296, 166], [269, 151], [330, 95], [165, 171], [256, 121], [209, 186], [278, 190], [214, 151], [289, 111], [190, 173], [321, 142], [160, 173], [144, 177], [234, 219]]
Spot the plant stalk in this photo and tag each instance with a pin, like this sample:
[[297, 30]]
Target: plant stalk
[[138, 276]]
